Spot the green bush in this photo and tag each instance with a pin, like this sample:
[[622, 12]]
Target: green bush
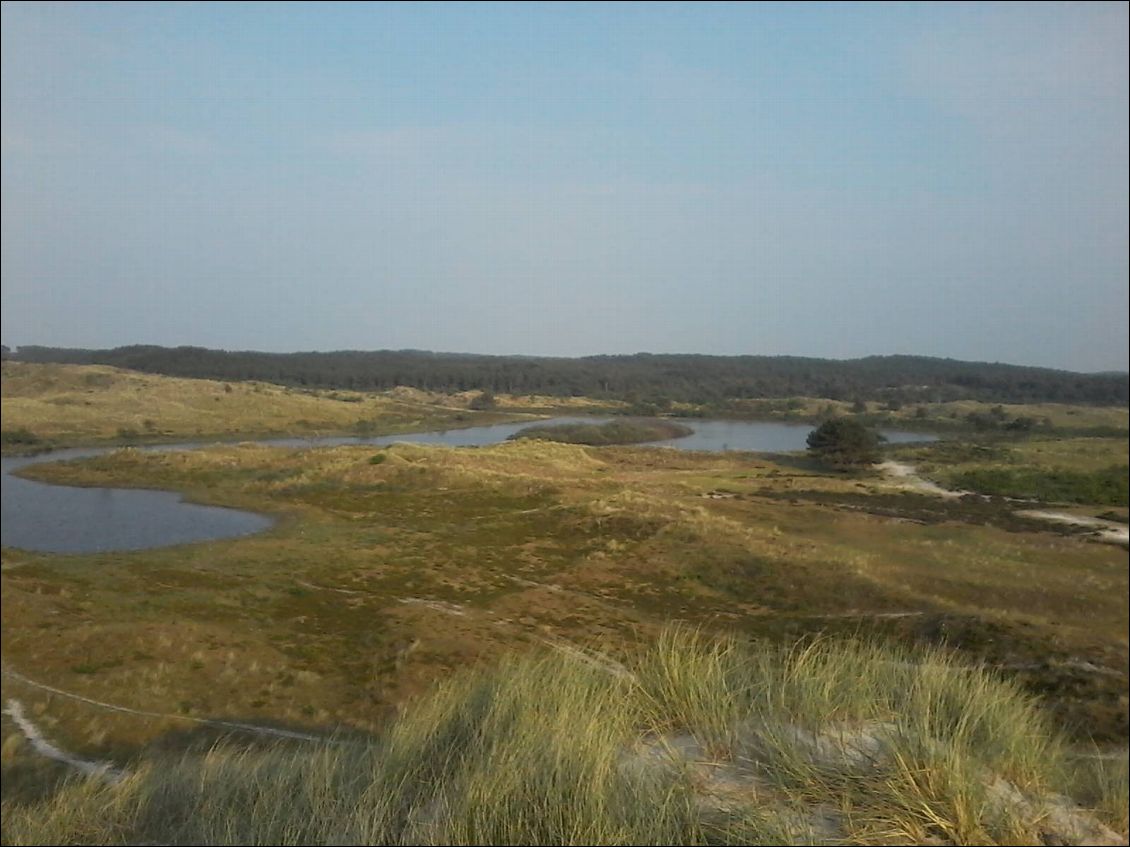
[[844, 443], [483, 402]]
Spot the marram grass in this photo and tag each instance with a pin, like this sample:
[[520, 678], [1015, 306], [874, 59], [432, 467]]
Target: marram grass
[[705, 741]]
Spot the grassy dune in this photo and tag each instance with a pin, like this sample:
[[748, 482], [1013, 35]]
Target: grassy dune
[[380, 578], [693, 741], [391, 569], [1090, 471], [73, 404]]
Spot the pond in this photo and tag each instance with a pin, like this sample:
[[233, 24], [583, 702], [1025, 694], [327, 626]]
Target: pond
[[709, 435], [64, 519]]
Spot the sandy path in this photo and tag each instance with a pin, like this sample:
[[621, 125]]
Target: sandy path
[[1106, 531], [909, 477], [1109, 531], [103, 770], [113, 707]]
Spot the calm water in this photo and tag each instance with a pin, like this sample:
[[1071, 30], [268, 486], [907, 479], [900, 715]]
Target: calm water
[[709, 435], [63, 519]]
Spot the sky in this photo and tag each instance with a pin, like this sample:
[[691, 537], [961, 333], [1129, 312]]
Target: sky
[[833, 180]]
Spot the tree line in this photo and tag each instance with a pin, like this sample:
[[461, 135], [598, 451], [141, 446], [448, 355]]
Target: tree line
[[648, 378]]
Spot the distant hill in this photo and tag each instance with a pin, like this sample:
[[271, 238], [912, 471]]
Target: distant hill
[[642, 376]]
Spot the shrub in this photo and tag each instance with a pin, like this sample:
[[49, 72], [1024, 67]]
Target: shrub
[[21, 437], [844, 442], [484, 402]]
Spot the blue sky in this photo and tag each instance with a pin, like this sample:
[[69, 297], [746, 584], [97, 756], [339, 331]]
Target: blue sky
[[564, 179]]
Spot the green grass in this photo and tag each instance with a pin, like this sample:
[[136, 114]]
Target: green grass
[[699, 741], [1107, 487], [379, 579], [23, 442], [968, 417], [635, 431], [19, 437], [1085, 470]]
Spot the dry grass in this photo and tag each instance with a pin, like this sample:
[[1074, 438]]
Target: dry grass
[[381, 578], [70, 404], [704, 742], [951, 413], [1102, 782]]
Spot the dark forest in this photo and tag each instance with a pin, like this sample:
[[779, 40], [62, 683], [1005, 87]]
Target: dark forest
[[664, 377]]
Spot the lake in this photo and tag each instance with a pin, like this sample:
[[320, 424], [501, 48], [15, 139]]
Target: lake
[[65, 519]]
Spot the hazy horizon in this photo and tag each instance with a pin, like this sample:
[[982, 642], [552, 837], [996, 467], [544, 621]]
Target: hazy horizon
[[327, 351], [828, 181]]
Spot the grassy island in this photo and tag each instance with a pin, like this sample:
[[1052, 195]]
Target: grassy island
[[633, 431]]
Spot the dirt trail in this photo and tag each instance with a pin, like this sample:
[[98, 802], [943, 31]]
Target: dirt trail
[[113, 707], [908, 475], [103, 770], [1106, 531]]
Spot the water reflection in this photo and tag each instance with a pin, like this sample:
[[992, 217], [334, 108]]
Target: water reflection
[[65, 519]]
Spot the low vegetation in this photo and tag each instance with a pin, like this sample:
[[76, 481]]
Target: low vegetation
[[67, 405], [379, 578], [1091, 471], [844, 443], [21, 441], [64, 405], [1107, 487], [654, 380], [389, 569], [630, 431], [696, 741], [20, 437]]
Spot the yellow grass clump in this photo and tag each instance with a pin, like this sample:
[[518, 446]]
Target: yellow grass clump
[[696, 741]]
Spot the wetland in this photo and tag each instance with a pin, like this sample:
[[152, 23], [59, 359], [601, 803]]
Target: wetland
[[393, 560]]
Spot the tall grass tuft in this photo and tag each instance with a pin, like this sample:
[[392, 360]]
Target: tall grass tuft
[[697, 684], [707, 741], [1102, 782], [527, 754]]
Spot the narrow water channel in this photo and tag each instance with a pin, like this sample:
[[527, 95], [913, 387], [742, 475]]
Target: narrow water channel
[[66, 519]]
